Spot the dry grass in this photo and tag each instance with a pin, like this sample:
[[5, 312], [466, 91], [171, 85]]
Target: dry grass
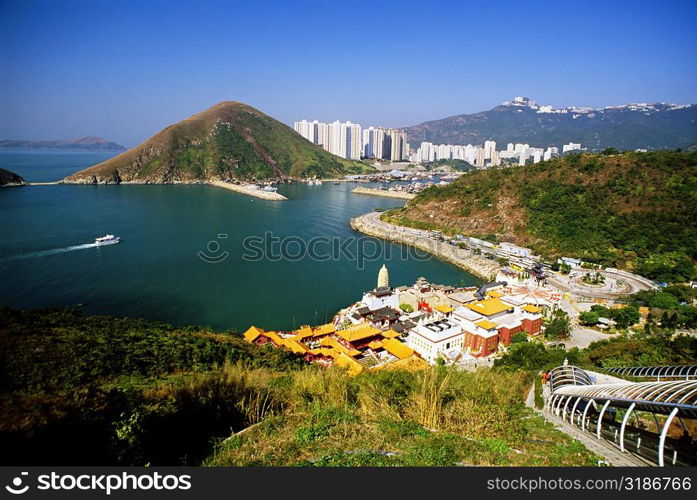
[[436, 417]]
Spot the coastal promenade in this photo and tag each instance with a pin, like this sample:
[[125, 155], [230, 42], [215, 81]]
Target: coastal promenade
[[384, 192], [248, 190], [371, 225]]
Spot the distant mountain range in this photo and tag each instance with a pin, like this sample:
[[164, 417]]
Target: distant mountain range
[[90, 143], [632, 126], [230, 140]]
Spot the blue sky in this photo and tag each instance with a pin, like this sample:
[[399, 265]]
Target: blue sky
[[124, 70]]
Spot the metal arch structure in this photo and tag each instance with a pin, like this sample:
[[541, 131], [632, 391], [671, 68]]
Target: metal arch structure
[[572, 389], [686, 372], [656, 397], [567, 375]]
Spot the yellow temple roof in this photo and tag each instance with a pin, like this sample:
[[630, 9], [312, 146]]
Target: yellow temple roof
[[486, 324], [357, 332], [489, 307], [323, 330], [375, 345], [253, 333], [295, 346], [531, 309], [389, 334], [397, 348], [444, 309], [336, 346], [345, 361]]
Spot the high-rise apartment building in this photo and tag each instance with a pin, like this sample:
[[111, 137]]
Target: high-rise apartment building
[[489, 148]]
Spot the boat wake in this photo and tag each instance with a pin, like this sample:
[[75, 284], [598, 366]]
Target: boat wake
[[54, 251]]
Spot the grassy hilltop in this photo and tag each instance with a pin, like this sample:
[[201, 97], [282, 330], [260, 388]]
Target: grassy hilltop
[[230, 140], [632, 210]]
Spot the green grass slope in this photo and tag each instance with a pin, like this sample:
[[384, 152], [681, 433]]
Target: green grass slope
[[633, 210], [230, 140], [100, 390]]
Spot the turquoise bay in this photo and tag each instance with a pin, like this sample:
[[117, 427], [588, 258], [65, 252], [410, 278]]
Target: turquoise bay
[[156, 272]]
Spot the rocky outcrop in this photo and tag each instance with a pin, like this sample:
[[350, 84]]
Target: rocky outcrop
[[8, 179]]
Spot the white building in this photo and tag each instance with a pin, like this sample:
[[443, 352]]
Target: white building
[[435, 339], [516, 250], [342, 139], [489, 148], [572, 146]]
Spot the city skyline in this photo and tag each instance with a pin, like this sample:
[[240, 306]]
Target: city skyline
[[81, 68]]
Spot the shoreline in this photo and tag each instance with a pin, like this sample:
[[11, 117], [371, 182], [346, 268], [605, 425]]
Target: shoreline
[[383, 192], [371, 225]]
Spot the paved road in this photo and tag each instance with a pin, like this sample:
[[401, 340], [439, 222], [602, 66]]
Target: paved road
[[581, 336], [557, 281], [566, 285]]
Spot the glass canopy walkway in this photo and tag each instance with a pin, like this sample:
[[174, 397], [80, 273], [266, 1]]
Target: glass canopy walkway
[[653, 419], [686, 372]]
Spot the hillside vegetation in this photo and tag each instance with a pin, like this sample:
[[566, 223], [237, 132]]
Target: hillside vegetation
[[77, 389], [633, 210], [98, 390], [230, 140]]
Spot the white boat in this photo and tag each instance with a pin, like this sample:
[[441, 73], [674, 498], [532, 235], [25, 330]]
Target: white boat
[[270, 189], [108, 239]]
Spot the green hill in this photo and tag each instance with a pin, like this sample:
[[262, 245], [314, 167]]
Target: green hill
[[635, 210], [231, 140]]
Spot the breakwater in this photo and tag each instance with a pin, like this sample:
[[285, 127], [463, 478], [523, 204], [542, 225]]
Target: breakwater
[[384, 192], [249, 190], [371, 225]]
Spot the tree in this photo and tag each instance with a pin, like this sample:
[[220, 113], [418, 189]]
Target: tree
[[687, 316], [589, 318], [558, 326], [626, 317], [407, 308], [663, 300], [611, 151], [519, 337]]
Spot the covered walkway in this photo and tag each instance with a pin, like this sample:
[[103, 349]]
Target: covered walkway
[[636, 417]]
